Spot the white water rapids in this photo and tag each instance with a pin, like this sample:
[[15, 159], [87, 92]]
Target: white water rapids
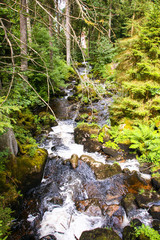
[[64, 221]]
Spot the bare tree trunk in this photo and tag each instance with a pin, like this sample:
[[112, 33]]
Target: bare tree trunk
[[29, 29], [58, 16], [50, 42], [110, 20], [132, 27], [23, 37], [68, 31]]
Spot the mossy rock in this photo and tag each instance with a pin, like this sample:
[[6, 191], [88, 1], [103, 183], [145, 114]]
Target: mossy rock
[[47, 119], [106, 135], [84, 131], [99, 234], [29, 170], [26, 119], [107, 170], [101, 170], [128, 202]]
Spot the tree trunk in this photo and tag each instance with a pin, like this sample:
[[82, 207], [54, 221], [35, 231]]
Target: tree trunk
[[23, 37], [68, 31], [58, 16], [50, 42], [132, 27], [110, 20], [29, 29]]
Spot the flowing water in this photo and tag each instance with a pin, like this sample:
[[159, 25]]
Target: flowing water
[[70, 201]]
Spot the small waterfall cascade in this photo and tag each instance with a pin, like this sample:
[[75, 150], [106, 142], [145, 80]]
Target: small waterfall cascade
[[69, 201]]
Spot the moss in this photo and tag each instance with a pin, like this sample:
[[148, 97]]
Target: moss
[[99, 234], [27, 165], [47, 119], [26, 119]]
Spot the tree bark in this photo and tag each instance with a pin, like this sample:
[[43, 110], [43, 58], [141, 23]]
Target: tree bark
[[110, 20], [50, 42], [23, 36], [58, 16], [68, 31], [29, 29], [132, 27]]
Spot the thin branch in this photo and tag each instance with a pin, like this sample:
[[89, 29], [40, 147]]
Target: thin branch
[[38, 95], [13, 63]]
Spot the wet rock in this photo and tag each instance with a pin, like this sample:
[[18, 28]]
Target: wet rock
[[99, 234], [73, 161], [92, 207], [93, 190], [82, 135], [128, 202], [136, 222], [112, 209], [135, 182], [155, 211], [57, 200], [129, 233], [48, 237], [92, 145], [29, 170], [94, 211], [145, 198], [145, 168], [90, 161], [156, 183], [101, 170], [156, 224], [106, 170], [112, 152]]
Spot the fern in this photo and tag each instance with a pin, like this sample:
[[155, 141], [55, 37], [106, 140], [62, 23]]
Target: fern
[[145, 139], [146, 231]]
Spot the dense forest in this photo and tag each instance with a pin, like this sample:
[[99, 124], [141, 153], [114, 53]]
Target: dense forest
[[42, 43]]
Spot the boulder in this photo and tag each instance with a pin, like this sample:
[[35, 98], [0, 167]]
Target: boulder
[[83, 132], [8, 142], [29, 170], [156, 224], [112, 152], [135, 182], [82, 135], [129, 231], [106, 170], [99, 234], [156, 183], [128, 202], [146, 198], [101, 170], [155, 211]]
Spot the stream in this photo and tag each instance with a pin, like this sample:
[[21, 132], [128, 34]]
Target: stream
[[69, 201]]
